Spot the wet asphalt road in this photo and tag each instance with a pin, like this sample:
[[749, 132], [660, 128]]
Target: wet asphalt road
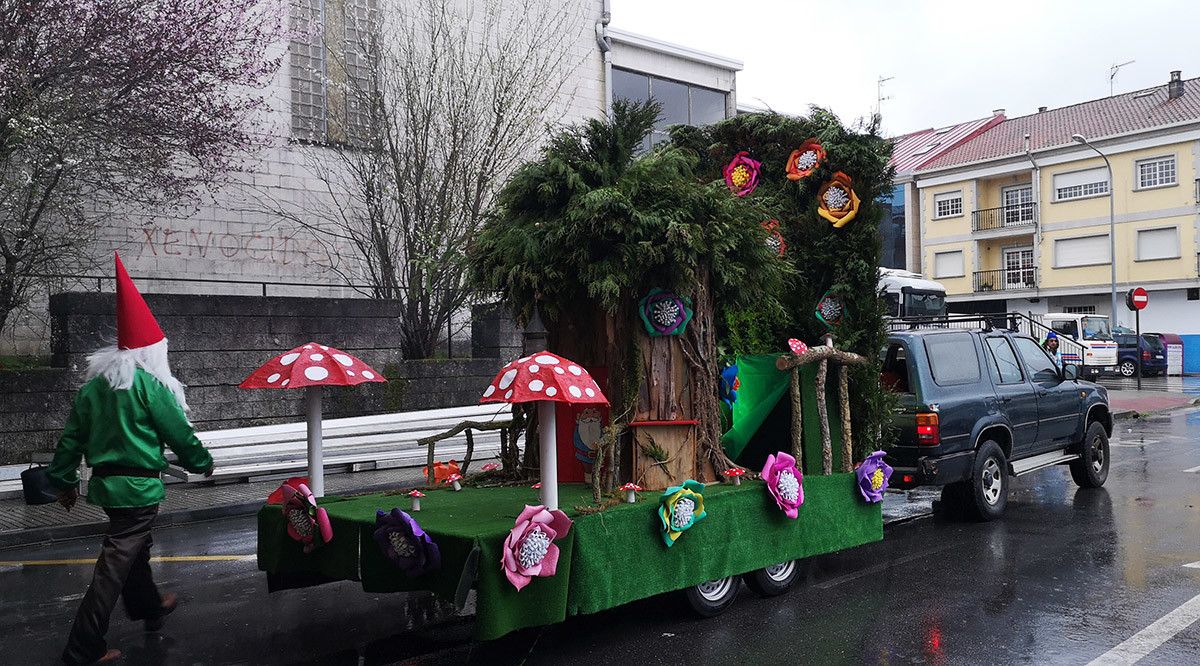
[[1065, 577]]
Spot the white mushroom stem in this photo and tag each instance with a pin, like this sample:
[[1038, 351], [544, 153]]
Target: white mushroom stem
[[457, 486], [416, 503], [316, 465], [548, 453], [631, 496], [737, 480]]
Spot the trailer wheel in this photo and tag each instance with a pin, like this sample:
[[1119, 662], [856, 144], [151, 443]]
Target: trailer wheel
[[714, 597], [773, 580]]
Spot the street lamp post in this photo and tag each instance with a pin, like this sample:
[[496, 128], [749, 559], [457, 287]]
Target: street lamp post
[[1112, 232]]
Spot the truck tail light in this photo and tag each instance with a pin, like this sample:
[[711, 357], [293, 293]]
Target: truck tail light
[[1145, 355], [928, 432]]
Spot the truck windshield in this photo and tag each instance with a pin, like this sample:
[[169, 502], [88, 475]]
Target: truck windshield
[[924, 304], [1096, 328]]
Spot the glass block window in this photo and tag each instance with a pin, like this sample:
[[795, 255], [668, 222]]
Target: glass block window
[[307, 63]]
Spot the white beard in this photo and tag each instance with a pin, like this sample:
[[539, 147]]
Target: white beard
[[118, 366], [590, 432]]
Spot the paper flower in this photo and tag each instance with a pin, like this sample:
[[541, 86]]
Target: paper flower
[[306, 522], [665, 313], [774, 238], [529, 548], [797, 346], [741, 174], [679, 508], [873, 474], [836, 201], [631, 490], [441, 470], [407, 545], [830, 310], [784, 482], [805, 160], [735, 473], [728, 387]]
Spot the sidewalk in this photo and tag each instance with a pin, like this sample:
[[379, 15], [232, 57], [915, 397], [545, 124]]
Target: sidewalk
[[22, 525]]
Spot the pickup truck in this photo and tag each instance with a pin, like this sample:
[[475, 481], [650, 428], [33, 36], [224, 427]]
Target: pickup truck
[[977, 407]]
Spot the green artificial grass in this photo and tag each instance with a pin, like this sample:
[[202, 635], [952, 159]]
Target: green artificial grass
[[607, 559]]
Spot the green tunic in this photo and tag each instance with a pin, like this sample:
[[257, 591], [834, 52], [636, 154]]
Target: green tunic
[[128, 428]]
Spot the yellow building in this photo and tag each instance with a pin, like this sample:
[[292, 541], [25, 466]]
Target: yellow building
[[1017, 218]]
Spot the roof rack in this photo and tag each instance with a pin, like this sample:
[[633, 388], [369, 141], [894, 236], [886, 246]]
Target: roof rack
[[968, 322]]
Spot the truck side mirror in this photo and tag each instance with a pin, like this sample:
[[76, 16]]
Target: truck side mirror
[[1071, 372]]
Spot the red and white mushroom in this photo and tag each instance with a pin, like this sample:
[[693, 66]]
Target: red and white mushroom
[[311, 367], [545, 378], [735, 473], [416, 496], [631, 490], [454, 480]]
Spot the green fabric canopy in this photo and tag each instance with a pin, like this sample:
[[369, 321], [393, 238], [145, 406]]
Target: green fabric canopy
[[607, 559]]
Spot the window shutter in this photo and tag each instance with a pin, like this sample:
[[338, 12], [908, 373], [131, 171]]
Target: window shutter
[[948, 264], [1158, 243], [1062, 180], [1081, 251]]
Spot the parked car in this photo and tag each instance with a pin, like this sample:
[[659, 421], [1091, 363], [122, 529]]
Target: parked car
[[1151, 348], [979, 407]]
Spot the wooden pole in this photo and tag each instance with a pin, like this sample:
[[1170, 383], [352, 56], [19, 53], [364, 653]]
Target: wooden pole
[[844, 399], [797, 419], [823, 414]]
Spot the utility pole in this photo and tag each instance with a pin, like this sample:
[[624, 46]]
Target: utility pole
[[1112, 74]]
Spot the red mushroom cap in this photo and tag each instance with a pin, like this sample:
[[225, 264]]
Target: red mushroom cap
[[544, 376], [489, 467], [416, 493], [311, 365], [734, 471], [453, 477], [536, 485], [631, 486]]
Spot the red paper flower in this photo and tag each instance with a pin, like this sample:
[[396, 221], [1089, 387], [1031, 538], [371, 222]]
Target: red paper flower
[[774, 239], [741, 174], [805, 160]]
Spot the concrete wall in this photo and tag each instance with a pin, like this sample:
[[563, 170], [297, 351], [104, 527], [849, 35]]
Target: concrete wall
[[216, 341]]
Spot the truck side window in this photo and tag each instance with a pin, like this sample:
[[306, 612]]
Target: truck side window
[[1041, 366], [1069, 328], [894, 375], [952, 358], [1005, 360]]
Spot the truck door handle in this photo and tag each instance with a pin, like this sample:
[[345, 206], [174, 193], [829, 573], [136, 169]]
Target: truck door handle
[[1042, 392], [1004, 401]]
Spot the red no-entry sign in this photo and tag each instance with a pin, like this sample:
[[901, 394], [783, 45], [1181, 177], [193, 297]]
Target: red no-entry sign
[[1137, 299]]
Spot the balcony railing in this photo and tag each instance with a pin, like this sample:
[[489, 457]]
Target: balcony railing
[[1005, 217], [1006, 279]]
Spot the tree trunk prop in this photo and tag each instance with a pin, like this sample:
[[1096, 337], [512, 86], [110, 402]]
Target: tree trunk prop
[[844, 404], [797, 418], [822, 356], [823, 417]]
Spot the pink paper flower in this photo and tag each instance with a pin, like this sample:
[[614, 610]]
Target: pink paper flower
[[785, 482], [529, 548], [741, 174]]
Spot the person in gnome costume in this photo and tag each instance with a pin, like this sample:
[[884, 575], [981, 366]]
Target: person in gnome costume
[[129, 409]]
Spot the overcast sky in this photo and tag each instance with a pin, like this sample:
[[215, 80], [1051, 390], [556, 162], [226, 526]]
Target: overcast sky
[[951, 61]]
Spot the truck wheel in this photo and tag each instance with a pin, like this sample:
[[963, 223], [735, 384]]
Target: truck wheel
[[987, 490], [1128, 368], [1091, 469], [773, 580], [714, 597]]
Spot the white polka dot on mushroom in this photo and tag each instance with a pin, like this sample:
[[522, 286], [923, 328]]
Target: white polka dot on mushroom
[[574, 391], [546, 360], [575, 370], [324, 348], [560, 371], [551, 391], [317, 357], [590, 393], [273, 378], [350, 373], [288, 359], [536, 385], [507, 378], [508, 395], [343, 359], [316, 373], [487, 393], [533, 367], [285, 382], [368, 374]]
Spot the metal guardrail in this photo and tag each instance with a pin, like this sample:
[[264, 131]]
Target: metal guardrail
[[1005, 279], [1015, 216]]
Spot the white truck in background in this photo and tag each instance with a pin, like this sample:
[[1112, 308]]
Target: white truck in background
[[909, 294]]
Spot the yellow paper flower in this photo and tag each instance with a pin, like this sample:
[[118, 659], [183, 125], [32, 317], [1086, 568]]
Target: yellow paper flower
[[836, 200]]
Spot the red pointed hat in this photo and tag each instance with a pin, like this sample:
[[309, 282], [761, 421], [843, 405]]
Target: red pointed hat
[[136, 326]]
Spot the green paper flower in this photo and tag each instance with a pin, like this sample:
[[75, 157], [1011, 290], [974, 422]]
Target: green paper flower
[[679, 508]]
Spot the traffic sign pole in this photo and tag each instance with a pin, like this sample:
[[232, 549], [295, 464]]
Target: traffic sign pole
[[1137, 318], [1137, 299]]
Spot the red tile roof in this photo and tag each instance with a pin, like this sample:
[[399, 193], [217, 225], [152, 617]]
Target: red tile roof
[[909, 151], [1097, 119]]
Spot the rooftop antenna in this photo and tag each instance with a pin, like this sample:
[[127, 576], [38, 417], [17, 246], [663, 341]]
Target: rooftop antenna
[[880, 97], [1112, 74]]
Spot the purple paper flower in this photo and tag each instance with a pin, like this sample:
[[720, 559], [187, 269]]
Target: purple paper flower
[[785, 482], [529, 548], [741, 174], [665, 313], [407, 545], [873, 475]]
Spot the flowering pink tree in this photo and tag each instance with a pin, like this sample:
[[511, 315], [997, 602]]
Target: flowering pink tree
[[103, 103]]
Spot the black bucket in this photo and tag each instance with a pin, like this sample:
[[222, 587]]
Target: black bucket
[[35, 483]]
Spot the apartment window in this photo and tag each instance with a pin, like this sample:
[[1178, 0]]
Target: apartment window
[[1080, 309], [1080, 184], [1158, 244], [947, 204], [948, 264], [330, 61], [1083, 251], [682, 104], [1157, 172]]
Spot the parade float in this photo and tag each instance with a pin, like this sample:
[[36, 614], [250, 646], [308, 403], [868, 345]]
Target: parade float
[[705, 405]]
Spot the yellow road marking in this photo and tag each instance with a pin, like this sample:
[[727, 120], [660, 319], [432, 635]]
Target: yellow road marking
[[168, 558]]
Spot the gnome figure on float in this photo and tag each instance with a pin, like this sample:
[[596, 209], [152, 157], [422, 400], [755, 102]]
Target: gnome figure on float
[[130, 407]]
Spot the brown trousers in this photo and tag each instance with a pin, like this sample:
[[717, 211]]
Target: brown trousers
[[122, 570]]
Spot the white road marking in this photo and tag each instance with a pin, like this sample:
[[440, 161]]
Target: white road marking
[[1192, 470], [1193, 565], [1147, 640]]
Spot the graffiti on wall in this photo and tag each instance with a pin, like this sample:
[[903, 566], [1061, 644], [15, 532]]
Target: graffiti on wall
[[282, 246]]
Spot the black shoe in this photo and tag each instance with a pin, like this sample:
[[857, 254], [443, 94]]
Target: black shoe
[[169, 602]]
